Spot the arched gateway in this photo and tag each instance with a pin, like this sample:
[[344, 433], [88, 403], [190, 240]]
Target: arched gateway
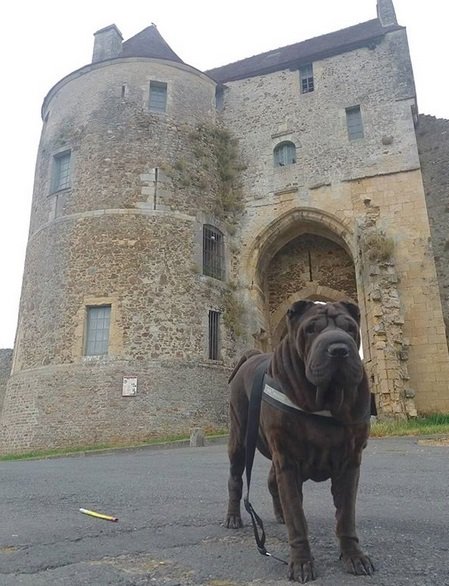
[[304, 254]]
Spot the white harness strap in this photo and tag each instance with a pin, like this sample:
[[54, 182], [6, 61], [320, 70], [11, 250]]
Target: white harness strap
[[279, 397]]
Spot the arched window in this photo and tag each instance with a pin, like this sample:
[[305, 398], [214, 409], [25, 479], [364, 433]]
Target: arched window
[[284, 154], [213, 252]]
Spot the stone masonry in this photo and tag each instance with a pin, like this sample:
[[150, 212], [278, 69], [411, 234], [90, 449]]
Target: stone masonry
[[152, 190], [433, 145]]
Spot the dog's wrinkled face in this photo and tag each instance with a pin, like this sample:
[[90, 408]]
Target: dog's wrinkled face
[[327, 340]]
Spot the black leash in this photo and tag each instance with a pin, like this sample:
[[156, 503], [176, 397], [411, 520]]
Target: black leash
[[252, 432]]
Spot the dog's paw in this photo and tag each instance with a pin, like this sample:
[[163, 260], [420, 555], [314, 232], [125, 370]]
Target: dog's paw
[[358, 564], [233, 522], [301, 571]]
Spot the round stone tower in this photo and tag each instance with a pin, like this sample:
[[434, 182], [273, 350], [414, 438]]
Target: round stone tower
[[120, 334]]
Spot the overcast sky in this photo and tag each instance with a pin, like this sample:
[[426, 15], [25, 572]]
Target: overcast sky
[[43, 41]]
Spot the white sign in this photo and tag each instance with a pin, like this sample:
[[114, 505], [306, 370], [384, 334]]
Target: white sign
[[129, 388]]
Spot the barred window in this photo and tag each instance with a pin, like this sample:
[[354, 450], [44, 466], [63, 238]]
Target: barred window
[[306, 78], [354, 123], [61, 171], [158, 96], [214, 335], [284, 154], [97, 330], [213, 252]]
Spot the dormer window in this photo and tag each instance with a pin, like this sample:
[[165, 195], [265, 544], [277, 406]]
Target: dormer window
[[284, 154]]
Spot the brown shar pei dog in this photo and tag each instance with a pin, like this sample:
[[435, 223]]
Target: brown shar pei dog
[[318, 368]]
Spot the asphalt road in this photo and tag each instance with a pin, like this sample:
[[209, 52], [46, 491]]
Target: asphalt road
[[170, 504]]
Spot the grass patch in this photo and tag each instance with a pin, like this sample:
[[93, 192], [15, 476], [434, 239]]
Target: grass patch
[[80, 450], [430, 425]]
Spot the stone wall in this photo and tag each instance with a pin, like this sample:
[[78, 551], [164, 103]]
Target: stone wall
[[74, 406], [305, 260], [5, 371], [432, 135]]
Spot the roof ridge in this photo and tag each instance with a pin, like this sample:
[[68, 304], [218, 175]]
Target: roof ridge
[[320, 45]]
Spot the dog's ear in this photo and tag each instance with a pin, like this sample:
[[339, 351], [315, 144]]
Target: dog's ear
[[299, 308], [352, 309]]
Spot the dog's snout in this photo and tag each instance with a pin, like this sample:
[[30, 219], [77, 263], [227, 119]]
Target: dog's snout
[[338, 350]]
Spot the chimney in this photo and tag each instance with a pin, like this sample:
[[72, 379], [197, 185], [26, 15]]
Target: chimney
[[386, 13], [107, 44]]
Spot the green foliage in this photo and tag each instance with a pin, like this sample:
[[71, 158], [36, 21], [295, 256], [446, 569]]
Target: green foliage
[[378, 246], [432, 424], [232, 311], [210, 432]]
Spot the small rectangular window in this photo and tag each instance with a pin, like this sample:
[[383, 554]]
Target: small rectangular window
[[219, 98], [354, 122], [158, 96], [214, 335], [213, 252], [306, 78], [61, 171], [97, 330]]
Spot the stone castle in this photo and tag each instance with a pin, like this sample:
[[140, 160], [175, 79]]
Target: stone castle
[[177, 214]]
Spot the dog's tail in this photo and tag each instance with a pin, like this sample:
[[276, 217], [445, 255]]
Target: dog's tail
[[243, 359]]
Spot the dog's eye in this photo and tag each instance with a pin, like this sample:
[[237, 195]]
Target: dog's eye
[[310, 329]]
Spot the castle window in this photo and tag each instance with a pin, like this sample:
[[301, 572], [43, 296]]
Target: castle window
[[214, 335], [219, 98], [61, 171], [284, 154], [213, 252], [354, 123], [158, 96], [97, 330], [306, 78]]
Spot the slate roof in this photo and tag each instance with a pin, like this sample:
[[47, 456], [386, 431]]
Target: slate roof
[[149, 43], [304, 52]]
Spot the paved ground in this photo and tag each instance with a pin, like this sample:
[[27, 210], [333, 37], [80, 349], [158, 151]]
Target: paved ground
[[170, 504]]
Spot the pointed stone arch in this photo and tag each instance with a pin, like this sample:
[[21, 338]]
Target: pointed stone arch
[[281, 229], [275, 235]]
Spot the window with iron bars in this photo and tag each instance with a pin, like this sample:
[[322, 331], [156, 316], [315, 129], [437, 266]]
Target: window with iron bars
[[306, 78], [214, 335], [213, 252]]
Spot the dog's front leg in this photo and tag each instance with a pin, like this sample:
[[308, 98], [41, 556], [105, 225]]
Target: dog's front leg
[[344, 491], [301, 568]]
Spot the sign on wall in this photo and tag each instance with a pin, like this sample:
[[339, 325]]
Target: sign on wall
[[129, 388]]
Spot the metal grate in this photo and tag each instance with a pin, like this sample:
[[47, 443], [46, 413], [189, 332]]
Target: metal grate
[[61, 171], [213, 252], [97, 330], [354, 122], [306, 79], [214, 335], [158, 96]]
